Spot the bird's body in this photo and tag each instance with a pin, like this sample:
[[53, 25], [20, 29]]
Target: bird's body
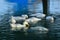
[[18, 18], [50, 19], [16, 27], [33, 20], [38, 30], [12, 20], [38, 15]]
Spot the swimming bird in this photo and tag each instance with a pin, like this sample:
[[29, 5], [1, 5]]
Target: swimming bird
[[26, 16], [32, 20], [38, 15], [19, 27], [18, 18], [16, 27], [38, 30], [12, 20], [50, 19]]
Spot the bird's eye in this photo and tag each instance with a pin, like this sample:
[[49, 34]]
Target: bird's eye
[[27, 25]]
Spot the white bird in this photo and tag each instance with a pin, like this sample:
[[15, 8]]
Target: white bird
[[18, 27], [32, 20], [50, 19], [38, 15], [26, 16], [18, 18], [39, 29], [12, 20]]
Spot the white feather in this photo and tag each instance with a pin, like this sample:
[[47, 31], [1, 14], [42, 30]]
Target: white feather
[[17, 26], [38, 15], [39, 29], [19, 18], [12, 20], [33, 20], [50, 19]]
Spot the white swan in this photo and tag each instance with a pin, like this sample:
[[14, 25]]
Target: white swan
[[38, 15], [18, 27], [12, 20], [50, 19], [18, 18], [39, 29], [32, 20], [26, 16]]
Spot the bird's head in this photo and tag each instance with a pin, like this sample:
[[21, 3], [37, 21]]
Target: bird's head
[[26, 16], [26, 24]]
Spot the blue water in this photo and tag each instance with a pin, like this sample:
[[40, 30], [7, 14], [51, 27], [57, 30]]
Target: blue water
[[12, 4], [20, 5], [54, 6]]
